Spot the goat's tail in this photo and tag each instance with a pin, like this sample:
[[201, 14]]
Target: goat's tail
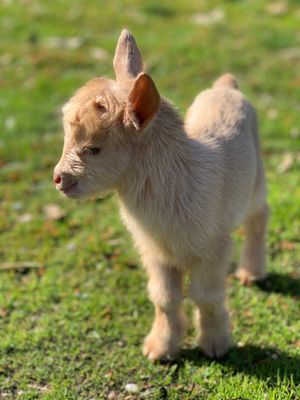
[[226, 80]]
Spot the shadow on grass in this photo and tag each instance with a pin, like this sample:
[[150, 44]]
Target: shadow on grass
[[280, 283], [265, 363]]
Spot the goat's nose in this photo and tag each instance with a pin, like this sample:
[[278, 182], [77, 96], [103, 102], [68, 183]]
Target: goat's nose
[[56, 179]]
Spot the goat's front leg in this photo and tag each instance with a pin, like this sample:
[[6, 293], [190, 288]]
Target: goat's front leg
[[165, 290], [207, 289]]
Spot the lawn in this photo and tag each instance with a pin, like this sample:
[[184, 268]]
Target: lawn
[[73, 301]]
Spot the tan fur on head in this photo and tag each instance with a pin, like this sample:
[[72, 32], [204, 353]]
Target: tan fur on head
[[183, 188]]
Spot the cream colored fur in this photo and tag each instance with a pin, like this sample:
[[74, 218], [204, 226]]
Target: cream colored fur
[[183, 188]]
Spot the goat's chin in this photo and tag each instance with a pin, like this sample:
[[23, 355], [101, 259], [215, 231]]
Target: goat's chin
[[79, 192], [101, 194], [71, 195]]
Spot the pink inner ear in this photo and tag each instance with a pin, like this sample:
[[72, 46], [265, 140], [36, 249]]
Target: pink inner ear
[[144, 99]]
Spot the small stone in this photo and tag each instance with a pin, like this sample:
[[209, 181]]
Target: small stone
[[71, 246], [24, 218], [277, 8], [10, 123], [286, 164], [95, 335], [272, 113], [53, 212], [209, 18], [112, 395], [132, 388], [146, 393]]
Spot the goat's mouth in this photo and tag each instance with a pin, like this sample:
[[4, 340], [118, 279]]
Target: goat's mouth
[[70, 190]]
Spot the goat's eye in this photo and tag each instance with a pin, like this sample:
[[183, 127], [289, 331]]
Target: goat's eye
[[91, 150]]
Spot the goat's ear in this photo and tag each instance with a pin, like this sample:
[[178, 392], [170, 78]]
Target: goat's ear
[[128, 62], [144, 101]]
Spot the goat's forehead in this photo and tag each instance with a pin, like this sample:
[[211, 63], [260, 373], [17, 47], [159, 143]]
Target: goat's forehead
[[80, 114], [95, 88]]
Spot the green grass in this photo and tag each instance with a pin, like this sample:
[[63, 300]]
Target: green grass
[[73, 328]]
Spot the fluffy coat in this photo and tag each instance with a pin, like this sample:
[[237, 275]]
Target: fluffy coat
[[183, 188]]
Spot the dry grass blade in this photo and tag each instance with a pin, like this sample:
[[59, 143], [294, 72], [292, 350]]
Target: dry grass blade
[[7, 266]]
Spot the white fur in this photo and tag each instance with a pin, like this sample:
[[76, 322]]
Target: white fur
[[183, 188]]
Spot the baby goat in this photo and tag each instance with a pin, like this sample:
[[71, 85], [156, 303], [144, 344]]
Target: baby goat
[[183, 188]]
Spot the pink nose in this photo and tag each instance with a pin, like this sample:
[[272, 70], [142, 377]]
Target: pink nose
[[57, 179]]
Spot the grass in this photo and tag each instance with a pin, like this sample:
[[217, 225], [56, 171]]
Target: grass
[[73, 328]]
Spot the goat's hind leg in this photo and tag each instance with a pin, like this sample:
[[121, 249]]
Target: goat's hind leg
[[252, 266]]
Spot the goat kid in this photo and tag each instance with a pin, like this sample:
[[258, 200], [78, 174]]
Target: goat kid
[[183, 188]]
